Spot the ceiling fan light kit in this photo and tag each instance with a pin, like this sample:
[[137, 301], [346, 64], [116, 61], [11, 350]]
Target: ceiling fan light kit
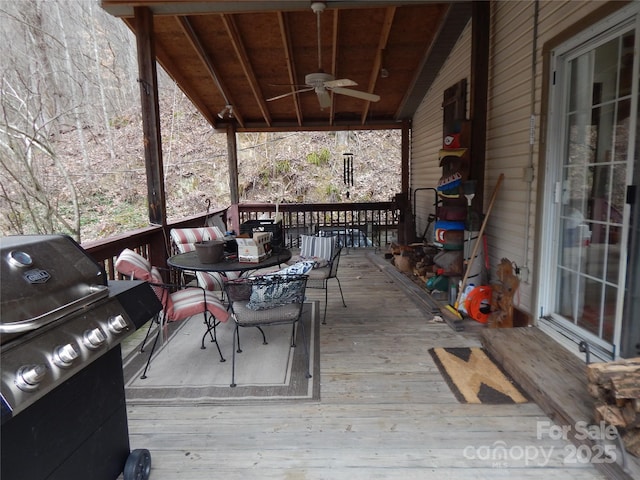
[[323, 83], [318, 7], [227, 110]]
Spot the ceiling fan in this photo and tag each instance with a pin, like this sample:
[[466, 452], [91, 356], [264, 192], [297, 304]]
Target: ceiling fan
[[322, 82]]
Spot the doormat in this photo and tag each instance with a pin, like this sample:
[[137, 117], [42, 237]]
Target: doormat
[[474, 377], [181, 373]]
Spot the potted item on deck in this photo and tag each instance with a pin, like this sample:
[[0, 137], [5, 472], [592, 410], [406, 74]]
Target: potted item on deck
[[210, 251]]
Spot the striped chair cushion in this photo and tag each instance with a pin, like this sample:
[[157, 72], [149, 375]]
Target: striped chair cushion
[[214, 281], [178, 305], [190, 301], [184, 238], [133, 265], [317, 247]]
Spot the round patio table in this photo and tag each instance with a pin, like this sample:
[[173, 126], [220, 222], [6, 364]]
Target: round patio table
[[190, 261]]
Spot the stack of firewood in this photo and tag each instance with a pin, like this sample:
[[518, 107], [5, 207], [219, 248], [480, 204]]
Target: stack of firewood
[[616, 388]]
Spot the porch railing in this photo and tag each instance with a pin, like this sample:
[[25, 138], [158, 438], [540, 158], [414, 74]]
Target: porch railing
[[357, 225]]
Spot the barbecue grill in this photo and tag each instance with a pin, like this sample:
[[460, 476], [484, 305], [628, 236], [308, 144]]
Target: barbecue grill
[[62, 400]]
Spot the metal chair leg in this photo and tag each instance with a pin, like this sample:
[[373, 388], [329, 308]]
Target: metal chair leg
[[326, 297], [153, 347], [326, 300], [341, 295], [233, 358], [264, 337], [293, 335], [155, 319], [211, 323]]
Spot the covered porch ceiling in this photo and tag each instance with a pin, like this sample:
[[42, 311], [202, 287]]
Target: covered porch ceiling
[[242, 53]]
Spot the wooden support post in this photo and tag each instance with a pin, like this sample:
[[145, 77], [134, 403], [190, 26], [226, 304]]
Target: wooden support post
[[234, 191], [480, 30], [148, 80], [406, 232]]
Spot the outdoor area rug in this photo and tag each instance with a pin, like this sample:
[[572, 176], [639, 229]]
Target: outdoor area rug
[[181, 373], [474, 377]]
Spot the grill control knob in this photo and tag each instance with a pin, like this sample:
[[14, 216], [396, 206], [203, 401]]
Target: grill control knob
[[94, 338], [64, 355], [117, 324], [29, 376]]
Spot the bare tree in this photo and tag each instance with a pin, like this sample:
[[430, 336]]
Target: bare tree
[[25, 154], [60, 65]]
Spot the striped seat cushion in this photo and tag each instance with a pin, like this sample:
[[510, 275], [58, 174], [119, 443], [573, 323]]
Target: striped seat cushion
[[191, 301], [214, 281], [178, 305]]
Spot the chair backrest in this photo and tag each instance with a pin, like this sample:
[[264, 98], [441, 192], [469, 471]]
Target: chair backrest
[[267, 291], [325, 248], [183, 239], [318, 247], [335, 260], [135, 266]]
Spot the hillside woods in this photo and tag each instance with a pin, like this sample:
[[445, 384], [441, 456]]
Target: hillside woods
[[71, 148]]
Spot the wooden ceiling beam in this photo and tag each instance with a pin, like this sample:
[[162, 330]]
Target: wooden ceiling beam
[[193, 38], [288, 56], [245, 63], [181, 81], [377, 63]]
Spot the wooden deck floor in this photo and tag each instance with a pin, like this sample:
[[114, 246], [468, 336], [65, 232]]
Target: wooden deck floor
[[385, 412]]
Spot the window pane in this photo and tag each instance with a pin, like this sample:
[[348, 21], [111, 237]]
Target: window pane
[[580, 87], [605, 72], [626, 64], [613, 255], [589, 314], [581, 147], [601, 140]]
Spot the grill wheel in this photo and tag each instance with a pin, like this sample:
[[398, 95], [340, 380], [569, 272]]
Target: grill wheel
[[138, 465]]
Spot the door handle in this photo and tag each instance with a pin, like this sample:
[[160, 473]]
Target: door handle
[[631, 194]]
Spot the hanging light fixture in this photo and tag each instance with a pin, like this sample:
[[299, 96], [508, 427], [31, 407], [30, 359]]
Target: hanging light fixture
[[226, 111]]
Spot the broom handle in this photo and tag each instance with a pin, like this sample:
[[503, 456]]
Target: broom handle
[[478, 241]]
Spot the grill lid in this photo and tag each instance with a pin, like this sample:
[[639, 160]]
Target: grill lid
[[45, 277]]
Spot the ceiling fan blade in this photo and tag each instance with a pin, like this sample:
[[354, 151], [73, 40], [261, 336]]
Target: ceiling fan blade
[[324, 98], [289, 94], [370, 97], [341, 82], [297, 85]]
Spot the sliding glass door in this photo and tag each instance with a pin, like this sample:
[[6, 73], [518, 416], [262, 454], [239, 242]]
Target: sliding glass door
[[592, 158]]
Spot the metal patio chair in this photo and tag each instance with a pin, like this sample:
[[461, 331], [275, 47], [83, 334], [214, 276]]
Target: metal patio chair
[[184, 239], [266, 300], [178, 303], [323, 248]]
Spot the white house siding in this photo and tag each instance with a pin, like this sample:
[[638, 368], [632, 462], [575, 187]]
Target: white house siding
[[511, 227], [511, 231], [426, 139]]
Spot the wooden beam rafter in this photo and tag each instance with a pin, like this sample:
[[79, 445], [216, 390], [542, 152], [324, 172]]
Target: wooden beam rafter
[[193, 38], [245, 63], [165, 61], [377, 62], [288, 54]]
